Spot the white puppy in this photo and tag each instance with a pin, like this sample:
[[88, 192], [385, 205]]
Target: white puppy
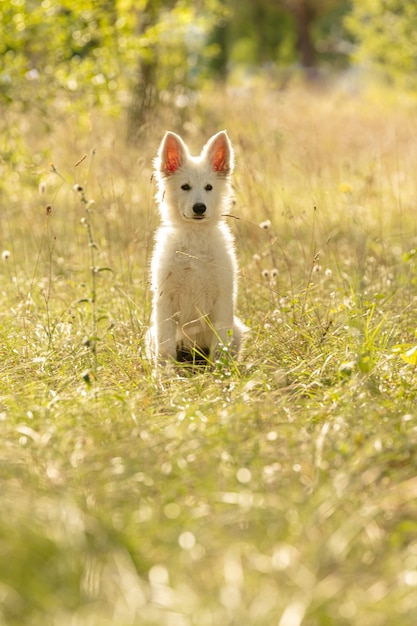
[[194, 267]]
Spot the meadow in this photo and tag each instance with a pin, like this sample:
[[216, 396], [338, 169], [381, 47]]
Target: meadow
[[277, 491]]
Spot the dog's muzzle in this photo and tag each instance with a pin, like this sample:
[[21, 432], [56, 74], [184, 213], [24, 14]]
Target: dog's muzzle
[[199, 209]]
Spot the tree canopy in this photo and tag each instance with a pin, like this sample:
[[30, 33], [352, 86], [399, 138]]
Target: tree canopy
[[386, 34], [115, 53]]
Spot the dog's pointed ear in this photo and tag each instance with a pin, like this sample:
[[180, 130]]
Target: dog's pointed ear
[[171, 153], [220, 153]]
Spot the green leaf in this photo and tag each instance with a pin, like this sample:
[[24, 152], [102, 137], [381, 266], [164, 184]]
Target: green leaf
[[409, 256], [102, 269], [410, 356], [407, 351]]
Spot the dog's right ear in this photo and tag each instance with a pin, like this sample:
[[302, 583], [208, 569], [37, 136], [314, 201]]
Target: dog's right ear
[[220, 153], [171, 153]]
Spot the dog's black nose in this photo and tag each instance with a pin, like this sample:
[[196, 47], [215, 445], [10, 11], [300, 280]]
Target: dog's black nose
[[199, 208]]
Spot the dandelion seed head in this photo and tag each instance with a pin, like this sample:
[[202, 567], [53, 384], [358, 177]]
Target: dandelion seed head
[[5, 255], [256, 258], [328, 272], [276, 316], [265, 273], [77, 187], [274, 272]]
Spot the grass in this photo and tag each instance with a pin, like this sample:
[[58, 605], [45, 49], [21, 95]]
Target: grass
[[281, 491]]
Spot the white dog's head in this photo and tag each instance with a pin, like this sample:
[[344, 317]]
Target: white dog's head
[[193, 189]]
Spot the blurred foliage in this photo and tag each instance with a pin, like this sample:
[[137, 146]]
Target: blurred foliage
[[386, 37], [75, 47], [99, 49], [72, 55], [94, 52]]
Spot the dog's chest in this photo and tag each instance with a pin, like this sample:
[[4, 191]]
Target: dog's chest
[[194, 269]]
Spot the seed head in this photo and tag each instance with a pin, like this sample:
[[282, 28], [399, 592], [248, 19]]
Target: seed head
[[265, 225]]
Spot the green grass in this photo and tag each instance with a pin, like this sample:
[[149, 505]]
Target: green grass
[[281, 491]]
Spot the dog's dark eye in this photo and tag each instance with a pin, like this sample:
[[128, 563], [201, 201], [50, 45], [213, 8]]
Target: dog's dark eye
[[186, 187], [208, 187]]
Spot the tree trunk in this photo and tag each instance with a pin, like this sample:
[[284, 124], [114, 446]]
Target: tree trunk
[[143, 101], [304, 15], [144, 93]]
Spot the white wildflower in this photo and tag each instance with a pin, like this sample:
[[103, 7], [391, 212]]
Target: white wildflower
[[265, 225]]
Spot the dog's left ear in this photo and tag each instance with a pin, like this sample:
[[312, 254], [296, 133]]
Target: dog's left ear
[[220, 153]]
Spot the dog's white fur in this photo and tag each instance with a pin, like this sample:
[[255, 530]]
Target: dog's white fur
[[194, 268]]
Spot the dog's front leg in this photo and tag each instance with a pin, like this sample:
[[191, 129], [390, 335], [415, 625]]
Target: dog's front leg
[[165, 326], [222, 320]]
